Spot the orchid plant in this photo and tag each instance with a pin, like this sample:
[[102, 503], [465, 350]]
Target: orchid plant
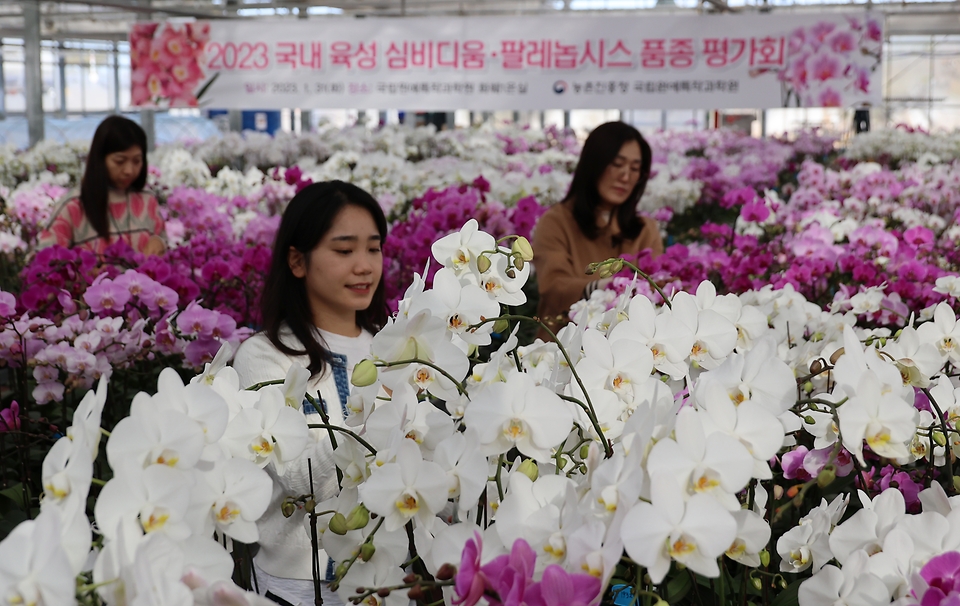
[[702, 449]]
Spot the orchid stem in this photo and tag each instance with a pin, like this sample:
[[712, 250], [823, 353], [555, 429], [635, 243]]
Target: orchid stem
[[460, 388], [650, 281], [257, 386], [330, 427], [592, 413]]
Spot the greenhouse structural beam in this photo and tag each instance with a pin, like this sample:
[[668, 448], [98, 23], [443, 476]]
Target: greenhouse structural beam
[[3, 90], [116, 76], [147, 116], [62, 76], [32, 74]]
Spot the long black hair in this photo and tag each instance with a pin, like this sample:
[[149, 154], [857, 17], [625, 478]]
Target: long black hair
[[115, 134], [601, 148], [305, 222]]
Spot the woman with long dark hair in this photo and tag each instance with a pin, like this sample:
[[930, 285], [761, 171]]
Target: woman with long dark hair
[[322, 302], [111, 204], [596, 221]]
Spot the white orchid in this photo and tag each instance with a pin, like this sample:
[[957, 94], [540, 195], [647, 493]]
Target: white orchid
[[270, 432], [34, 567], [883, 420], [419, 337], [461, 250], [753, 534], [716, 464], [693, 532], [407, 488], [67, 471], [853, 585], [622, 366], [154, 499], [155, 436], [943, 332], [459, 305], [241, 492], [521, 414]]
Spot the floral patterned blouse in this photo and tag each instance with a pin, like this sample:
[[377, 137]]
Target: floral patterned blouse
[[134, 217]]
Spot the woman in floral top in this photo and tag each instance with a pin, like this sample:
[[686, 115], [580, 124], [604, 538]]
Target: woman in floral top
[[112, 204]]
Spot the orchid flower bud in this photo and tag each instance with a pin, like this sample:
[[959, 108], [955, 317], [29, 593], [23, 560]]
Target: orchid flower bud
[[529, 468], [338, 524], [483, 263], [364, 373], [521, 246], [358, 518], [366, 551]]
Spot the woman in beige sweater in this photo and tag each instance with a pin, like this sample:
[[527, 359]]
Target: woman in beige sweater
[[596, 221]]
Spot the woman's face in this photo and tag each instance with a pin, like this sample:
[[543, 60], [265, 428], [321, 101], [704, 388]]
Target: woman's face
[[621, 175], [123, 167], [343, 270]]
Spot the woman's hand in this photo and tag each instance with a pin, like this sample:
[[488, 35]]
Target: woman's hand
[[155, 246]]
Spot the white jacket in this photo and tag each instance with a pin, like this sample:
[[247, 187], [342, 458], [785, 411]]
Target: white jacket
[[285, 549]]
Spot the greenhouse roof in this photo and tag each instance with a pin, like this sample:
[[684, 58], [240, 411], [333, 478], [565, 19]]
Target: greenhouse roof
[[112, 19]]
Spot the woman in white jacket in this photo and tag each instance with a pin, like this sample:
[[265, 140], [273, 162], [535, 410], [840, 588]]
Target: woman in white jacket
[[322, 302]]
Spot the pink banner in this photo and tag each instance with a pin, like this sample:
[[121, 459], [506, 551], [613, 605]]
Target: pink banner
[[480, 63]]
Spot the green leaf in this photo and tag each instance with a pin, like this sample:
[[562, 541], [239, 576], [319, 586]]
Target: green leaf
[[678, 587], [206, 86], [13, 493], [789, 596]]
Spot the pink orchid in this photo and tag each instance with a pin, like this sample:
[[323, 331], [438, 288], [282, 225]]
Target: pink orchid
[[560, 588], [10, 418]]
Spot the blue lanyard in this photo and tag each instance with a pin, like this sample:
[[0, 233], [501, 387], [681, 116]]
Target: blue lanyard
[[339, 368]]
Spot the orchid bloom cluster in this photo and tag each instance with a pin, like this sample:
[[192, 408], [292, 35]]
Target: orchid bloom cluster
[[47, 156], [167, 62], [889, 232], [830, 65], [903, 144], [187, 479], [647, 437], [649, 430], [114, 322]]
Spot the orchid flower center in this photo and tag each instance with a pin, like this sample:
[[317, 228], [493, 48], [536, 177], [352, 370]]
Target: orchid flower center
[[682, 546], [879, 439], [800, 556], [25, 594], [593, 564], [154, 519], [705, 483], [167, 457], [556, 546], [262, 446], [407, 504], [58, 487], [737, 549], [514, 429], [227, 513], [620, 382]]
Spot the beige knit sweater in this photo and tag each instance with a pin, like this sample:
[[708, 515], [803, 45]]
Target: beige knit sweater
[[561, 255]]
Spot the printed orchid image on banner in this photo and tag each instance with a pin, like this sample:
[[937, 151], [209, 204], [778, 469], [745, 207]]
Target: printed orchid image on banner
[[167, 64], [831, 64]]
